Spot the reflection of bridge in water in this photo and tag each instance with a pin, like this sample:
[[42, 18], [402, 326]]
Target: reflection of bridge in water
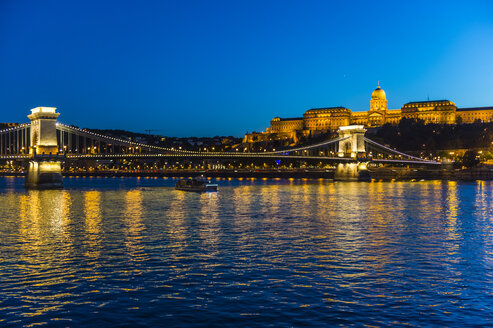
[[45, 143]]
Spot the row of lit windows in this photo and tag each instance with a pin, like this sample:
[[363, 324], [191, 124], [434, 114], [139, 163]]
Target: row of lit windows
[[432, 103]]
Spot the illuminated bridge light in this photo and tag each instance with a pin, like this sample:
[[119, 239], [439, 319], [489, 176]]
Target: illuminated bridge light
[[287, 153]]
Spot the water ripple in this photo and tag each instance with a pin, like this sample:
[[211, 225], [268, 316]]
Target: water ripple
[[256, 253]]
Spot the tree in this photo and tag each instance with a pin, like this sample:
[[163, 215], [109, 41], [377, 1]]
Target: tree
[[469, 159], [486, 156]]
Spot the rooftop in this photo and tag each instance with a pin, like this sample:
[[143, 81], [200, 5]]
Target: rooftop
[[43, 110], [474, 108], [427, 101], [290, 118], [328, 108]]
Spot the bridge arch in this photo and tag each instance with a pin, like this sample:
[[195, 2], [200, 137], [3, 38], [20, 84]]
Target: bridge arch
[[352, 141]]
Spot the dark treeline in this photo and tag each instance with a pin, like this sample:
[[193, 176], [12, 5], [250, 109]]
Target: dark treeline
[[414, 135]]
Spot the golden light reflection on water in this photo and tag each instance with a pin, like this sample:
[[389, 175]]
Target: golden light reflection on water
[[270, 202], [242, 198], [175, 220], [270, 199], [483, 200], [25, 224], [44, 214], [242, 202], [209, 230], [452, 208], [93, 221], [46, 246], [133, 214]]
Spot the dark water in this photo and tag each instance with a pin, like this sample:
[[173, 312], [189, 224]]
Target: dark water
[[122, 252]]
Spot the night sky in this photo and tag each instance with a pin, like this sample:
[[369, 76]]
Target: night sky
[[190, 68]]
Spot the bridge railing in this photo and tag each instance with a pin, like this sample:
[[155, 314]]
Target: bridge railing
[[15, 140]]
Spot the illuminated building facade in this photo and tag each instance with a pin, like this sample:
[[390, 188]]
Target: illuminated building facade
[[324, 119], [437, 111], [473, 114], [319, 120], [285, 125]]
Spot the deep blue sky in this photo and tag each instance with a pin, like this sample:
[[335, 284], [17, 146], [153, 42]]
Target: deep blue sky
[[209, 68]]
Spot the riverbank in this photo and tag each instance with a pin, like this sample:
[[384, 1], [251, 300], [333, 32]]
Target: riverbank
[[379, 174], [270, 174], [400, 174]]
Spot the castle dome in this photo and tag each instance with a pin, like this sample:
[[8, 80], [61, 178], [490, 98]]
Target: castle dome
[[378, 94]]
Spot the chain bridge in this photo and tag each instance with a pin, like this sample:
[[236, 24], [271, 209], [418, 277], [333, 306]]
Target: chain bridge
[[45, 143]]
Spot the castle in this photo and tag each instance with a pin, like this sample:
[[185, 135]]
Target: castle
[[320, 120]]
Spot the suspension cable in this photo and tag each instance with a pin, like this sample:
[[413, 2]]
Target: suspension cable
[[396, 151]]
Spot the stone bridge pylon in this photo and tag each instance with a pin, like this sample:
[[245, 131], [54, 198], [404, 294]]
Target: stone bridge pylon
[[44, 171], [352, 145]]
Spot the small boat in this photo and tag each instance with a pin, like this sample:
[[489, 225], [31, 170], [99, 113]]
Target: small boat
[[195, 184]]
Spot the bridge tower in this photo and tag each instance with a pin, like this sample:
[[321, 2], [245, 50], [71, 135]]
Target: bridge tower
[[353, 145], [44, 170]]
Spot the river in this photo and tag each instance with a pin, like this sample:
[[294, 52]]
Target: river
[[134, 252]]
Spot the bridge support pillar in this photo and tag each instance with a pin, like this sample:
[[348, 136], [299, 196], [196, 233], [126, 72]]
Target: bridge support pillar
[[44, 171], [352, 172], [354, 141], [44, 174]]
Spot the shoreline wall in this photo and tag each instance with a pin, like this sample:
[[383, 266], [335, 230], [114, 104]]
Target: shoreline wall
[[381, 174]]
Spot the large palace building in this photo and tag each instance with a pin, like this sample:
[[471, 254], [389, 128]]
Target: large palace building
[[321, 120]]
